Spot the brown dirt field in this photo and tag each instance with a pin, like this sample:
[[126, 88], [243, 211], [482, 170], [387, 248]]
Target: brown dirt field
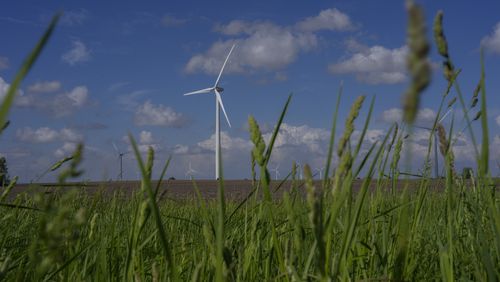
[[184, 189]]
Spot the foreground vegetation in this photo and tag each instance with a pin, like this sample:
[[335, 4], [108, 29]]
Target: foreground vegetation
[[385, 233]]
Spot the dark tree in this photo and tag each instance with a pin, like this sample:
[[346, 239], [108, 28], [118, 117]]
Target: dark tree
[[4, 173]]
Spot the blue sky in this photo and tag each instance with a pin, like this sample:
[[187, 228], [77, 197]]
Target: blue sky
[[118, 67]]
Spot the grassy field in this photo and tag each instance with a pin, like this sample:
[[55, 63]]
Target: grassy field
[[333, 229]]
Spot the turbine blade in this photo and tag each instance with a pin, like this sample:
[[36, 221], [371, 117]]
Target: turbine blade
[[223, 66], [442, 118], [116, 148], [206, 90], [219, 99]]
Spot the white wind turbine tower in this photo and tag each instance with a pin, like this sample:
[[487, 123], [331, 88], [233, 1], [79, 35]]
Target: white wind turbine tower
[[218, 104], [276, 172], [320, 171], [190, 172], [120, 155], [299, 166], [436, 167]]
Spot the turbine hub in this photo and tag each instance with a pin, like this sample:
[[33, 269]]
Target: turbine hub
[[219, 89]]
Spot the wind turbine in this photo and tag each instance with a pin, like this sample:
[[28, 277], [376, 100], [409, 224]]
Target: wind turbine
[[216, 89], [120, 155], [299, 166], [436, 167], [276, 172], [320, 170], [190, 172]]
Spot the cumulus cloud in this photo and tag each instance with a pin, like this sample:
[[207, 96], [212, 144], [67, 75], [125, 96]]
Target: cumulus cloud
[[375, 65], [160, 115], [263, 45], [145, 141], [491, 43], [371, 136], [74, 17], [425, 116], [46, 135], [45, 87], [330, 19], [65, 150], [77, 54], [227, 143], [4, 63], [495, 149], [171, 21], [59, 105]]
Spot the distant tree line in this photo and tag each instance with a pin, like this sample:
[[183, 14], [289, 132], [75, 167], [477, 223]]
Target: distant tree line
[[4, 172]]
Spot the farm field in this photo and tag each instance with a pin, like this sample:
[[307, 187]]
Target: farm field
[[235, 190], [81, 233]]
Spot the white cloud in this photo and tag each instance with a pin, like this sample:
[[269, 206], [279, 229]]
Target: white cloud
[[65, 150], [492, 42], [376, 65], [495, 149], [425, 116], [146, 137], [330, 19], [60, 105], [371, 136], [4, 63], [78, 96], [498, 120], [145, 141], [227, 143], [303, 135], [160, 115], [263, 45], [45, 87], [70, 135], [75, 17], [180, 149], [171, 21], [46, 135], [303, 144], [78, 54]]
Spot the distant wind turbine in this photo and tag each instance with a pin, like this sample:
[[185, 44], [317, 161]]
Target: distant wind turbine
[[120, 155], [190, 172], [320, 171], [436, 167], [299, 166], [276, 172], [218, 104]]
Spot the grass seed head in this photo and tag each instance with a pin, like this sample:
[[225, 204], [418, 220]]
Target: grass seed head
[[149, 164], [417, 62], [444, 146], [452, 102], [478, 115], [257, 140], [394, 136], [442, 44], [475, 95], [349, 124]]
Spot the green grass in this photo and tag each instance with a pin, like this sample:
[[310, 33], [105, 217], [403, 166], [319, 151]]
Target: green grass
[[386, 233]]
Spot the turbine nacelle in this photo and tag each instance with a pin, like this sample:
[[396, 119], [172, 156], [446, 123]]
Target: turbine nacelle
[[219, 89]]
